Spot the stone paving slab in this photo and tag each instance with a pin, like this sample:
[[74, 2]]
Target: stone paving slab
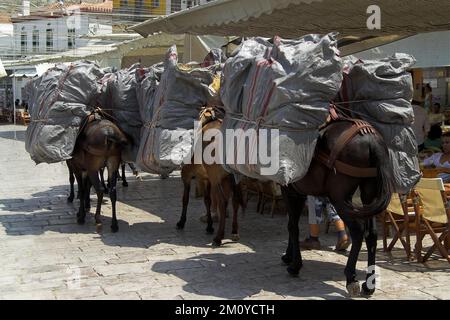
[[45, 254]]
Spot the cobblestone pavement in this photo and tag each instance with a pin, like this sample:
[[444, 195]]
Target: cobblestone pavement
[[44, 254]]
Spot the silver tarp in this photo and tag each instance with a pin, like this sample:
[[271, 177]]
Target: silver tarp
[[380, 92], [118, 99], [285, 85], [169, 131], [147, 83], [58, 101]]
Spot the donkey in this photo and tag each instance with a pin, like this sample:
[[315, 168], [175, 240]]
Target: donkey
[[350, 154], [99, 143], [218, 183]]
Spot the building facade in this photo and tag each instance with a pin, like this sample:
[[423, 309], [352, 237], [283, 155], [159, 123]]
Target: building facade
[[51, 30], [144, 9]]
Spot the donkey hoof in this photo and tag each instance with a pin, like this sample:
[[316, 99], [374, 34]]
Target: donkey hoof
[[354, 289], [180, 225], [235, 237], [209, 230], [80, 220], [286, 259], [70, 199], [98, 227], [217, 242], [125, 184], [366, 291], [114, 228], [293, 270]]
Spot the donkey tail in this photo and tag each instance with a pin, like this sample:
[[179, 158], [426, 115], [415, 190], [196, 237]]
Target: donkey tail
[[118, 137], [380, 156]]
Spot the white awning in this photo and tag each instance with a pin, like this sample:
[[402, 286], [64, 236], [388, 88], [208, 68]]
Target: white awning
[[294, 18], [430, 50], [2, 70], [24, 74]]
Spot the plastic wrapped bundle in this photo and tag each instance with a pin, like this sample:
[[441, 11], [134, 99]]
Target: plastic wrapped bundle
[[118, 98], [147, 83], [379, 92], [58, 101], [284, 85], [169, 131]]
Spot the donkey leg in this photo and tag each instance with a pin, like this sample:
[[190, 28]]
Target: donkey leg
[[186, 178], [294, 203], [238, 200], [113, 196], [124, 179], [71, 181], [357, 233], [87, 194], [222, 191], [99, 189], [368, 287], [235, 225], [207, 200], [81, 216]]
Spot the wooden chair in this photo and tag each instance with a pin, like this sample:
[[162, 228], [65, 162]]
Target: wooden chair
[[270, 191], [399, 216], [432, 217], [433, 172], [266, 191]]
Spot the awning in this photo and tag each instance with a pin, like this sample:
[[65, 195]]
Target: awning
[[294, 18], [2, 70], [431, 50], [23, 74]]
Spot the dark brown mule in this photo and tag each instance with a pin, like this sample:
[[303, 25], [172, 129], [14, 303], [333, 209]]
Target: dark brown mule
[[217, 182], [99, 144], [362, 161]]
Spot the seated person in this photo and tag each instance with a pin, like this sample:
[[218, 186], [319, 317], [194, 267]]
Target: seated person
[[434, 138], [435, 116], [441, 159]]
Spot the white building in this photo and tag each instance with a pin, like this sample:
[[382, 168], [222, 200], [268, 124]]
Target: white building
[[56, 31], [47, 32], [432, 53], [6, 35]]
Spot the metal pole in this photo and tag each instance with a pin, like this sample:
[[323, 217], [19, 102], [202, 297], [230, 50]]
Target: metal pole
[[14, 87]]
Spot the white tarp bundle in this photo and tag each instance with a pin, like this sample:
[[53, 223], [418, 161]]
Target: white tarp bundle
[[285, 85], [147, 83], [58, 101], [381, 91], [118, 99], [168, 136]]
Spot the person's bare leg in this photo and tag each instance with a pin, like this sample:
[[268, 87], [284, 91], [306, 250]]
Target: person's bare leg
[[343, 241]]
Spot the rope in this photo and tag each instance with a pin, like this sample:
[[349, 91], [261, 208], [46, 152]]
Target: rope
[[260, 123]]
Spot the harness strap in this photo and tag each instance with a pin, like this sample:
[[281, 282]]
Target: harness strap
[[342, 142], [347, 169]]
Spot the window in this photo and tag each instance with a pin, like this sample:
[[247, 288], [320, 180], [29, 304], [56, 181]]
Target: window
[[49, 43], [71, 38], [35, 40], [23, 42], [155, 4]]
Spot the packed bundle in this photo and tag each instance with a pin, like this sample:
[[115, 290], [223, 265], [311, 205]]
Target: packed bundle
[[58, 101], [379, 92], [118, 99], [276, 95], [147, 82], [171, 110]]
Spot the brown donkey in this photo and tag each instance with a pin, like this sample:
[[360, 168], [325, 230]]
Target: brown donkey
[[99, 144], [218, 183]]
